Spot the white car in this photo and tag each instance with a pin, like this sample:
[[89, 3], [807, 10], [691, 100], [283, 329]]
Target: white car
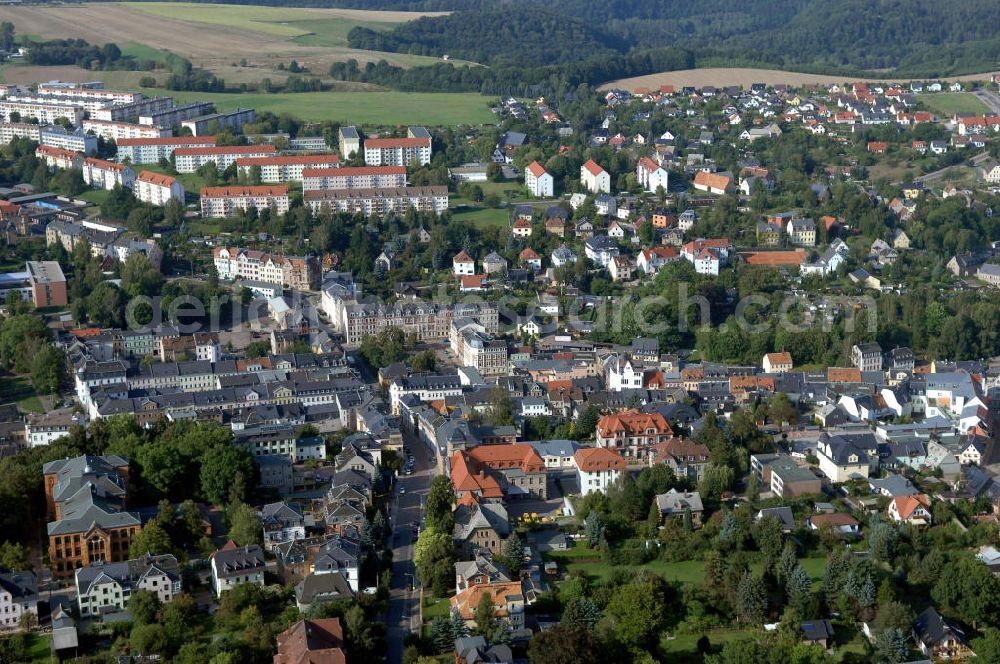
[[402, 490]]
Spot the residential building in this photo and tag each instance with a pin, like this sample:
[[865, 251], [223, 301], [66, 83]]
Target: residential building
[[680, 505], [285, 168], [58, 137], [349, 142], [295, 272], [474, 347], [353, 177], [379, 202], [47, 283], [802, 232], [538, 181], [236, 565], [224, 201], [282, 522], [168, 118], [783, 476], [652, 176], [914, 510], [508, 602], [33, 132], [463, 264], [846, 457], [597, 468], [621, 268], [493, 471], [397, 151], [43, 428], [777, 362], [152, 150], [116, 131], [867, 357], [632, 433], [601, 249], [190, 159], [158, 189], [107, 587], [319, 641], [58, 158], [683, 456], [713, 183], [425, 319], [46, 113], [939, 638], [480, 525], [707, 256], [206, 124], [594, 178], [18, 596], [102, 174]]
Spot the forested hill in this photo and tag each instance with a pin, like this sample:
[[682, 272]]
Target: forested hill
[[915, 37]]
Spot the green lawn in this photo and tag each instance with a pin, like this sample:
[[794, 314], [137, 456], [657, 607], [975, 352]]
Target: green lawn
[[687, 644], [482, 216], [143, 52], [18, 389], [39, 648], [269, 20], [949, 103], [435, 608], [357, 107], [95, 196]]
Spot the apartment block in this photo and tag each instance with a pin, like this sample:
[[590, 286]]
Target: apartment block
[[46, 114], [116, 131], [295, 272], [11, 130], [234, 120], [60, 89], [174, 116], [48, 284], [224, 201], [397, 151], [158, 189], [132, 110], [378, 202], [354, 177], [59, 158], [152, 150], [274, 170], [102, 174], [75, 141], [189, 160]]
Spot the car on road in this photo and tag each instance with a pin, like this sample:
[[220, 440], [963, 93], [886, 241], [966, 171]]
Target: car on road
[[402, 489]]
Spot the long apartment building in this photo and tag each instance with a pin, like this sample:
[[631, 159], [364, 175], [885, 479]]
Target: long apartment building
[[428, 320], [224, 201], [378, 202], [152, 150], [88, 104], [189, 160], [102, 174], [234, 120], [132, 110], [174, 116], [397, 151], [11, 130], [354, 177], [158, 189], [59, 158], [77, 141], [274, 170], [296, 272], [59, 89], [46, 114], [116, 131]]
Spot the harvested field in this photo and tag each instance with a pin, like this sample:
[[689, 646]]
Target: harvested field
[[724, 76]]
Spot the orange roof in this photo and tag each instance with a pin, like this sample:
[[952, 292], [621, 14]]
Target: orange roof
[[168, 140], [86, 332], [592, 459], [779, 358], [473, 280], [529, 254], [468, 476], [633, 421], [522, 223], [157, 178], [843, 375], [906, 505], [592, 167], [775, 258], [536, 169], [238, 191], [465, 602], [712, 180], [350, 171], [105, 165], [397, 142], [49, 151], [463, 257], [226, 149], [835, 519], [290, 159], [828, 221], [512, 455], [680, 448]]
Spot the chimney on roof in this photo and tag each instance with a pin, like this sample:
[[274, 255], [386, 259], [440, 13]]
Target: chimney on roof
[[482, 474]]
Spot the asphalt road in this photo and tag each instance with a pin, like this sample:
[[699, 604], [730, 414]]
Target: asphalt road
[[407, 509], [990, 99]]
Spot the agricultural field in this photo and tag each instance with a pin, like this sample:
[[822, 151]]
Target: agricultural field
[[946, 104], [724, 76]]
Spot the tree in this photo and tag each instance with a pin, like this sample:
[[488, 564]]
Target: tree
[[105, 304], [892, 615], [162, 467], [144, 607], [587, 423], [501, 409], [423, 362], [513, 553], [892, 646], [768, 535], [638, 611], [139, 277], [718, 479], [882, 541], [969, 590], [987, 647], [782, 409], [434, 558], [798, 588], [47, 369], [438, 505], [152, 539], [244, 525], [221, 468], [751, 598], [14, 556], [566, 644], [581, 612], [485, 615], [148, 639], [593, 528]]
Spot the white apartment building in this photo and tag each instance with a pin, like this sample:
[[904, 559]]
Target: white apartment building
[[158, 189], [174, 116], [234, 120], [594, 178], [275, 170], [46, 114], [250, 265], [75, 141], [397, 151], [105, 97], [354, 177], [597, 468], [538, 181], [233, 566], [11, 130], [189, 160], [116, 131], [378, 202], [152, 150], [132, 110], [88, 104], [224, 201], [18, 595], [651, 175], [349, 142], [102, 174], [58, 158], [474, 347]]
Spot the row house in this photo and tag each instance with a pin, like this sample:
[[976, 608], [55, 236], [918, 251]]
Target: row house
[[224, 201], [190, 159], [633, 433], [286, 168], [297, 273], [353, 177]]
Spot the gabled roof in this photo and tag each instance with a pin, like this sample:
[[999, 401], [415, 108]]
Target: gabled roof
[[537, 169], [591, 167], [594, 459]]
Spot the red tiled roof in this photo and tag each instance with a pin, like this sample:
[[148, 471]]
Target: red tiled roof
[[157, 178], [397, 142], [633, 421], [291, 159], [226, 149], [529, 254], [168, 140], [591, 459], [352, 171], [536, 169], [462, 257], [712, 180], [105, 165], [244, 190], [592, 167]]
